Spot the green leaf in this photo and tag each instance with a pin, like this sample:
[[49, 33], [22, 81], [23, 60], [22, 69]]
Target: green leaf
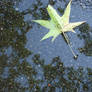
[[58, 24], [44, 23], [65, 17], [70, 26], [51, 33]]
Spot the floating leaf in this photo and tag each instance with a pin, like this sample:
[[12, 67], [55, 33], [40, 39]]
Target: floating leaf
[[58, 24]]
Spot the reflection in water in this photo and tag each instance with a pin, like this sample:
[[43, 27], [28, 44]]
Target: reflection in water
[[86, 34], [17, 75]]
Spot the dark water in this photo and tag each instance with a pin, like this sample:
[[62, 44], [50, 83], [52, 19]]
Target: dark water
[[28, 65], [48, 50]]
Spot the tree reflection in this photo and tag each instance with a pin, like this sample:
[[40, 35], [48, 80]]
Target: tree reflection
[[86, 35], [12, 44], [54, 77]]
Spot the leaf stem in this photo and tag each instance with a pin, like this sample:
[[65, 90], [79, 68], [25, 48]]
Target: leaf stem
[[66, 38]]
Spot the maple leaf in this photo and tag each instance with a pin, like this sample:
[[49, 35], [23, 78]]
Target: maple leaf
[[58, 24]]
